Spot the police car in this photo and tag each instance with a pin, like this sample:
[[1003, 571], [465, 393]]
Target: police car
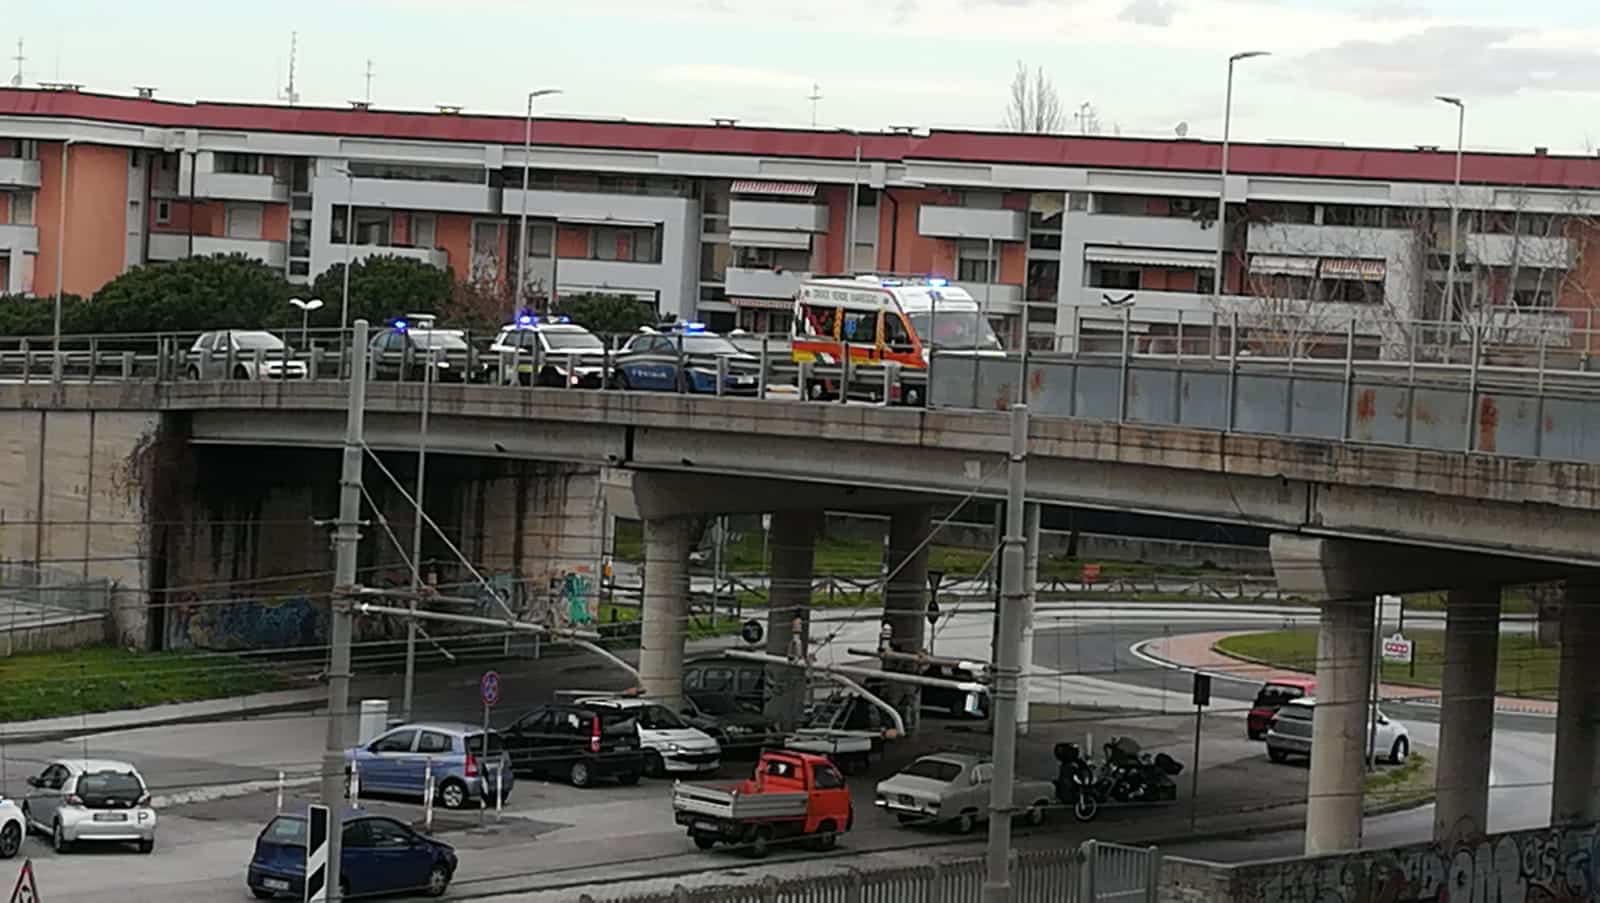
[[652, 360], [564, 353]]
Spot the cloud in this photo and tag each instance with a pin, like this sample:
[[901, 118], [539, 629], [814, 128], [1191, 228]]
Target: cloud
[[1471, 61], [1155, 13]]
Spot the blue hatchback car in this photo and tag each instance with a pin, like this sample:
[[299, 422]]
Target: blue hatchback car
[[379, 856], [397, 762], [650, 362]]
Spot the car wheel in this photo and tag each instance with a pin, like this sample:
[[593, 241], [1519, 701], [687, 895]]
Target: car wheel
[[653, 766], [438, 880], [1277, 755], [452, 794], [967, 823], [193, 373], [905, 818], [260, 894], [147, 846], [827, 837], [58, 838], [1398, 752], [704, 841], [913, 397], [621, 382], [239, 372], [10, 840], [628, 779], [1085, 807], [760, 843], [1037, 812], [578, 775]]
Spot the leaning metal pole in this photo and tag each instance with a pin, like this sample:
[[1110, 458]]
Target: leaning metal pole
[[1008, 655], [346, 542]]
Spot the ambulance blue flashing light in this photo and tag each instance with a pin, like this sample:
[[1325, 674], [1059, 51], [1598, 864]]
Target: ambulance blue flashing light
[[938, 281]]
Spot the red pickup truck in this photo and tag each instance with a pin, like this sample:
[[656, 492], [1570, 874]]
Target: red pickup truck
[[793, 796]]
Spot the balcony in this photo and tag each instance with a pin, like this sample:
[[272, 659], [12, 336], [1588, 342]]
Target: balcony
[[756, 283], [1298, 240], [1146, 231], [769, 216], [19, 238], [406, 194], [232, 186], [1527, 251], [434, 256], [1000, 298], [1197, 310], [969, 222], [271, 253], [19, 173]]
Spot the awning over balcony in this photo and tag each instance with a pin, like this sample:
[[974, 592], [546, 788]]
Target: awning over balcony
[[607, 221], [783, 189], [770, 238], [762, 303], [1349, 268], [1278, 265], [1150, 257]]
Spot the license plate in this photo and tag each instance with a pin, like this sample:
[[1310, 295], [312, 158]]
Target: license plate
[[110, 816], [274, 884]]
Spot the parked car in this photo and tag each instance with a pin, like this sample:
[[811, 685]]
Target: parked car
[[242, 354], [685, 358], [670, 744], [954, 788], [791, 795], [77, 800], [379, 856], [564, 353], [1289, 733], [957, 703], [738, 729], [1272, 695], [578, 743], [398, 761], [392, 361], [745, 681], [13, 828]]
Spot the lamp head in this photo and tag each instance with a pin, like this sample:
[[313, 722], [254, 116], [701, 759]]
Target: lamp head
[[1452, 101], [1248, 54]]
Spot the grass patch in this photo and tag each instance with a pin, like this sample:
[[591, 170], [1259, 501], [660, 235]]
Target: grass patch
[[104, 679], [1526, 669], [621, 623], [1514, 600], [1407, 783]]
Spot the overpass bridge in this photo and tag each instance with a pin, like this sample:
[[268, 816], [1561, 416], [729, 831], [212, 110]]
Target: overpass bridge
[[1377, 477]]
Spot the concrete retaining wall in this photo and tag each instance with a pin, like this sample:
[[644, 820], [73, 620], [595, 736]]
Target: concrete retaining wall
[[56, 633]]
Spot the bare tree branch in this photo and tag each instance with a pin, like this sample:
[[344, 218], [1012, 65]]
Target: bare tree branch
[[1033, 105]]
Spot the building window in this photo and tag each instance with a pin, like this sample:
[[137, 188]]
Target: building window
[[632, 244], [969, 270], [239, 164], [300, 238], [469, 175], [163, 213], [778, 259], [713, 293], [1285, 213], [1044, 280], [866, 258], [541, 239], [299, 268], [1350, 291], [1045, 241], [1103, 276], [1361, 216], [714, 260], [243, 220], [22, 208]]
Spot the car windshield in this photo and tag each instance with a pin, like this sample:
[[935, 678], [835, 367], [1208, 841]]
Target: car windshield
[[705, 344], [955, 330], [614, 722], [253, 341], [438, 339], [111, 785], [285, 831], [660, 718], [1278, 694], [572, 340], [719, 704], [933, 769], [1296, 712], [475, 744]]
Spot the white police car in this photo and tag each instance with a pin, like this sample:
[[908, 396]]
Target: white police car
[[563, 353], [651, 361]]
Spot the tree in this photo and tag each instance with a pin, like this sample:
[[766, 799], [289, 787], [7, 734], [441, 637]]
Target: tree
[[381, 288], [25, 315], [479, 304], [193, 294], [608, 314], [1034, 105]]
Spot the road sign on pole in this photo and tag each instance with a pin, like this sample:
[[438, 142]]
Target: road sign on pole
[[316, 853], [489, 687], [1398, 649], [26, 890]]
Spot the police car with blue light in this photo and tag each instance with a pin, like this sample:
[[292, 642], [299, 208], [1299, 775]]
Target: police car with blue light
[[685, 357], [552, 351], [402, 350]]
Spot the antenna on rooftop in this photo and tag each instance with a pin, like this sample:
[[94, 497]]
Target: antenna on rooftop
[[16, 80], [290, 94], [369, 81], [814, 96]]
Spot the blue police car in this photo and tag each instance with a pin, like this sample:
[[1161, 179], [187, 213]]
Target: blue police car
[[685, 357]]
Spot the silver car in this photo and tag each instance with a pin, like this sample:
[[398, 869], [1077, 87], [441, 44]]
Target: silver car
[[75, 800], [953, 788], [242, 354]]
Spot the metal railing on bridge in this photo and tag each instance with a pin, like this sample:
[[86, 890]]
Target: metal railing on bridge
[[1092, 872]]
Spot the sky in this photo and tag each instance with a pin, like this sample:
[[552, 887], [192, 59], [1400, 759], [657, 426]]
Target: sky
[[1360, 72]]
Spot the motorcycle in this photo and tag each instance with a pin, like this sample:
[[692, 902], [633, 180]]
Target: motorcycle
[[1076, 783], [1128, 775]]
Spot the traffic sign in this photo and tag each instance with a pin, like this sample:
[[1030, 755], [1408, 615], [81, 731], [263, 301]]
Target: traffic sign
[[489, 687], [1398, 649], [26, 890], [752, 632], [316, 853], [933, 612], [1202, 689]]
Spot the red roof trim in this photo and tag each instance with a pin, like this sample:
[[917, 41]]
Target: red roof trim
[[1292, 161]]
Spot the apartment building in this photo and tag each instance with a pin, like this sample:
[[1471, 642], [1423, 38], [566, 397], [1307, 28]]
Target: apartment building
[[1066, 240]]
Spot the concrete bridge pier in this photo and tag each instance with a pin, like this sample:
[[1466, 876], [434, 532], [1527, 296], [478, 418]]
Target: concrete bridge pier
[[667, 542], [1344, 684], [1466, 712], [792, 545], [905, 598], [1575, 791]]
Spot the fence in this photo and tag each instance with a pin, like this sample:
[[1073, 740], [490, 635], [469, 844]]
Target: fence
[[1093, 872], [52, 591]]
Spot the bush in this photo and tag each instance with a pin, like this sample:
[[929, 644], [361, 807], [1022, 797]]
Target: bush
[[382, 288], [222, 291], [609, 314]]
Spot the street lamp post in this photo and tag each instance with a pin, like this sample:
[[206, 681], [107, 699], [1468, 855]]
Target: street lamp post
[[522, 227], [409, 688], [1455, 207], [306, 307], [1222, 191], [349, 243]]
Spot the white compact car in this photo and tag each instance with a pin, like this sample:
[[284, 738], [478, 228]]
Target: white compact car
[[12, 828], [670, 745], [1289, 733], [78, 800]]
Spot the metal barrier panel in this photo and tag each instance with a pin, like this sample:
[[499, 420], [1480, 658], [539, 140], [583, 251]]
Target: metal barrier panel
[[1119, 873]]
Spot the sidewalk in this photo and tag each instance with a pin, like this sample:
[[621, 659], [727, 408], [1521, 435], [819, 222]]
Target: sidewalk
[[1197, 652]]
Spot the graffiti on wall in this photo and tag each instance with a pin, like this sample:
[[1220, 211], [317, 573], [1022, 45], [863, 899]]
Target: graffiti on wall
[[195, 622], [576, 593], [1549, 865]]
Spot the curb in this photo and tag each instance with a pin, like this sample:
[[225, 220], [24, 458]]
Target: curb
[[1278, 826], [214, 792], [45, 730]]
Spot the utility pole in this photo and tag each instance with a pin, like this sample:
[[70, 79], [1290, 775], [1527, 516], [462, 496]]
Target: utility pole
[[1008, 658], [814, 96], [346, 541], [369, 81]]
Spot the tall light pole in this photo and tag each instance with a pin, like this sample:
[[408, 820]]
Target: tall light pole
[[306, 307], [61, 250], [349, 243], [1222, 191], [1455, 208], [416, 526], [522, 228]]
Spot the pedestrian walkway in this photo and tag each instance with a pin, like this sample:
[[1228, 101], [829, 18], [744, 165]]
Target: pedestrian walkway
[[1197, 652]]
